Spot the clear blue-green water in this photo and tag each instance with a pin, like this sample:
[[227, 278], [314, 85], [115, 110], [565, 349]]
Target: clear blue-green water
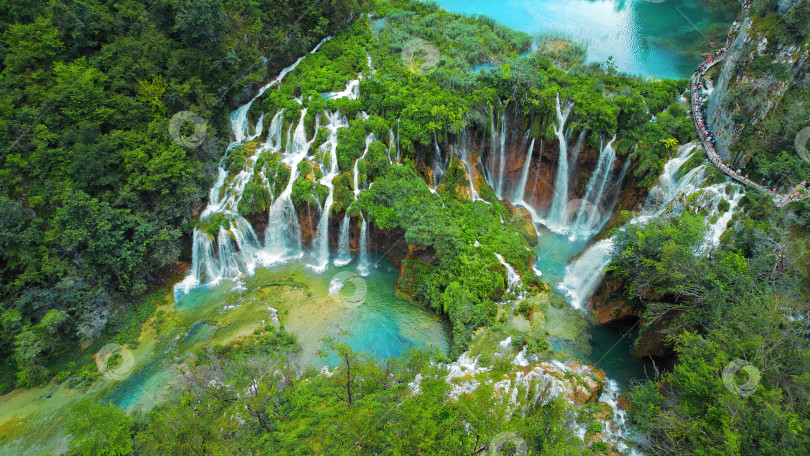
[[658, 38], [603, 347], [363, 313]]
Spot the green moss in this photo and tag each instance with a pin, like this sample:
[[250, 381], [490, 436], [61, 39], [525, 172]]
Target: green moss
[[276, 172], [306, 192], [255, 200], [211, 224]]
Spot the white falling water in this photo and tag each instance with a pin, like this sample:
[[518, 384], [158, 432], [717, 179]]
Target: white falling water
[[439, 166], [344, 256], [493, 146], [239, 121], [351, 92], [555, 220], [610, 396], [363, 263], [501, 157], [329, 163], [520, 192], [283, 233], [513, 280], [392, 145], [237, 247], [582, 276], [711, 198], [397, 157], [356, 171], [666, 199], [588, 217], [462, 151]]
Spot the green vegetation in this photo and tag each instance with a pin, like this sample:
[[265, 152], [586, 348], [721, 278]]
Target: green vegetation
[[94, 194], [461, 280], [251, 397], [95, 198], [739, 302]]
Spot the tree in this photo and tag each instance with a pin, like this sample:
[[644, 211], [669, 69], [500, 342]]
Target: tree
[[99, 429], [201, 24]]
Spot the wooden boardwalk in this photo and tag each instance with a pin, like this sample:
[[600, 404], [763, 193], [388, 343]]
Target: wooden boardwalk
[[702, 125]]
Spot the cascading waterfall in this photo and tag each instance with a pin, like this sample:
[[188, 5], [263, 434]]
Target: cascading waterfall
[[239, 121], [363, 263], [439, 167], [238, 247], [283, 234], [513, 280], [493, 145], [397, 159], [586, 220], [582, 276], [329, 151], [463, 152], [392, 145], [344, 256], [665, 199], [501, 158], [520, 192], [711, 198], [555, 220], [356, 171]]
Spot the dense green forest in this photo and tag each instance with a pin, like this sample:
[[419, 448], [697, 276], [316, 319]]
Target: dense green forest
[[97, 196], [744, 301], [94, 194], [97, 202], [366, 407]]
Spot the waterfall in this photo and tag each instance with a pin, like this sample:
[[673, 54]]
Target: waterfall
[[356, 172], [329, 152], [238, 249], [556, 214], [392, 145], [344, 256], [513, 281], [671, 183], [239, 120], [585, 220], [521, 190], [463, 152], [711, 198], [351, 92], [439, 167], [363, 263], [283, 233], [398, 150], [501, 158], [202, 264], [583, 275], [610, 396]]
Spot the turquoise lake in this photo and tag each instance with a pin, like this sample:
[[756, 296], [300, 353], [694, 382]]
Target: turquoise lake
[[657, 38]]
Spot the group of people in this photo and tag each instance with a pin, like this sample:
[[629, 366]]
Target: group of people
[[705, 131], [699, 111]]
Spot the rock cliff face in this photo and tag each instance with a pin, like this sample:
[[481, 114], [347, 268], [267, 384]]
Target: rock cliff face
[[759, 69], [484, 164]]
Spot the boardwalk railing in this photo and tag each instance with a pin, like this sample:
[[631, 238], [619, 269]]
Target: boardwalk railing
[[701, 123]]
